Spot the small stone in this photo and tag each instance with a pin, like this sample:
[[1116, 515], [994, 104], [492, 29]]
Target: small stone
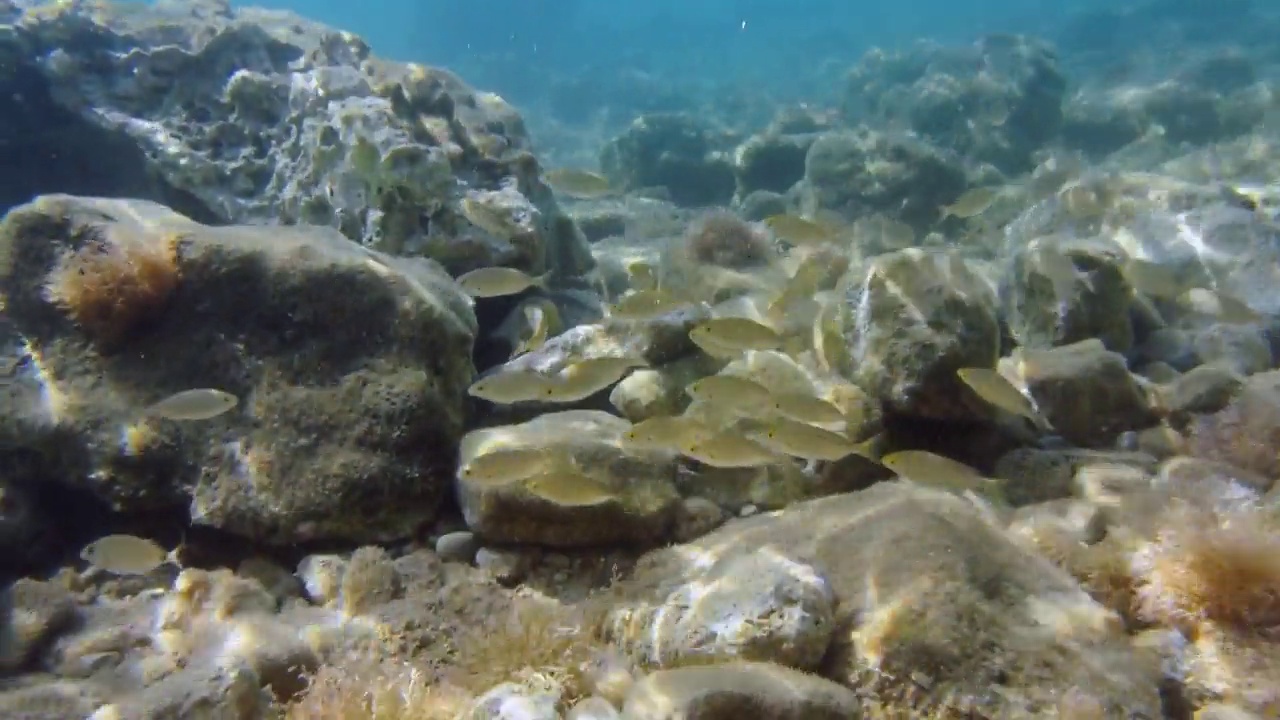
[[459, 546], [507, 567], [696, 517]]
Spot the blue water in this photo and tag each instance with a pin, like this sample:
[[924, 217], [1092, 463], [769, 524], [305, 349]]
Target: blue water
[[495, 42]]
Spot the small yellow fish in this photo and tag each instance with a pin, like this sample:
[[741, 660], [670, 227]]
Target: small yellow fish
[[971, 204], [807, 408], [577, 183], [495, 221], [729, 450], [646, 304], [642, 276], [506, 465], [713, 349], [799, 231], [1060, 270], [994, 389], [537, 317], [829, 347], [730, 392], [738, 333], [1225, 307], [199, 404], [513, 386], [931, 469], [802, 440], [569, 488], [584, 378], [498, 281], [127, 555], [664, 433], [1081, 202]]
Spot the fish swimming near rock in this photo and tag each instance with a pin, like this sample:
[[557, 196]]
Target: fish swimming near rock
[[729, 450], [512, 386], [971, 204], [738, 333], [495, 221], [799, 231], [127, 555], [197, 404], [802, 440], [506, 465], [581, 184], [569, 488], [499, 281]]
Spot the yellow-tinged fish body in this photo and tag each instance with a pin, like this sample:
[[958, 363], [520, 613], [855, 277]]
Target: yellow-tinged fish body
[[664, 433], [539, 321], [729, 450], [646, 304], [971, 204], [495, 221], [507, 465], [513, 386], [126, 555], [498, 281], [198, 404], [738, 333], [584, 378], [731, 392], [802, 440], [570, 488], [799, 231], [994, 389], [933, 470], [1224, 307], [807, 408], [642, 276], [582, 184]]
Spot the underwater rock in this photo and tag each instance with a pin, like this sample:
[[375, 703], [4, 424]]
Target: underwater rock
[[301, 124], [771, 162], [345, 428], [760, 691], [1085, 392], [1095, 305], [921, 580], [675, 151], [33, 614], [863, 172], [999, 115], [912, 321], [640, 507], [760, 606], [1246, 432], [1033, 475]]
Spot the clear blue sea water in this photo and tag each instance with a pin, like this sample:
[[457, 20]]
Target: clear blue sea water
[[493, 42]]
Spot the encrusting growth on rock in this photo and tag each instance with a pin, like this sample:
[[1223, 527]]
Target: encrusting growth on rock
[[114, 283]]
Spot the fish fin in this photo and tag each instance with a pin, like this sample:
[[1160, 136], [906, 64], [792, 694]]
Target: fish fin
[[542, 280]]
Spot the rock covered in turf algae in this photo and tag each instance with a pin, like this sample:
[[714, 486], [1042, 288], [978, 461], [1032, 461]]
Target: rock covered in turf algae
[[1097, 304], [642, 510], [675, 151], [867, 172], [760, 691], [911, 321], [932, 603], [1085, 392], [763, 606], [351, 366], [302, 123]]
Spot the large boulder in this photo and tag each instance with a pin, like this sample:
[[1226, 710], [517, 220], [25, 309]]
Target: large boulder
[[245, 115], [351, 368]]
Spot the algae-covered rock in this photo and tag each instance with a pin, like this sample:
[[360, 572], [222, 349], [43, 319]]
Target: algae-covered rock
[[761, 606], [867, 171], [350, 367], [1085, 392], [771, 162], [911, 321], [301, 123], [1096, 303], [761, 691], [934, 606], [642, 509], [675, 151]]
